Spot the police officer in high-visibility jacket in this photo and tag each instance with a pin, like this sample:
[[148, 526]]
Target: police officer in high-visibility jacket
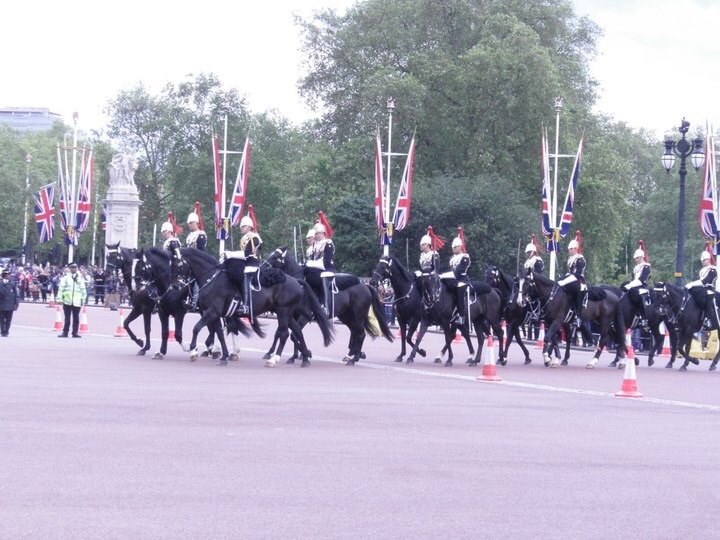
[[703, 291], [249, 252], [322, 260]]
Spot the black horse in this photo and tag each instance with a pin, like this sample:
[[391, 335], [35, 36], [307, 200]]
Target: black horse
[[602, 306], [284, 297], [686, 316], [439, 307], [121, 262], [357, 305], [515, 312], [654, 316]]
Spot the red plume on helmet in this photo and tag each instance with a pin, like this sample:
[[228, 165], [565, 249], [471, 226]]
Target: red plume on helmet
[[708, 248], [578, 239], [201, 225], [251, 215], [461, 235], [641, 244], [176, 229], [436, 242], [323, 220]]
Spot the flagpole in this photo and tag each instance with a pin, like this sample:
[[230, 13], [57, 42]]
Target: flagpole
[[222, 191], [28, 160], [388, 217], [555, 224], [92, 256]]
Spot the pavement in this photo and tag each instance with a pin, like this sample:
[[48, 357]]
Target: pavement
[[98, 442]]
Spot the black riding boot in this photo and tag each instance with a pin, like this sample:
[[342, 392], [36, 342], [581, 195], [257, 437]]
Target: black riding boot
[[579, 296], [328, 297], [460, 294], [244, 308]]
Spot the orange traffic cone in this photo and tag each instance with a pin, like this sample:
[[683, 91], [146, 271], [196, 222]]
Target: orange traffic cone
[[458, 337], [489, 372], [58, 326], [171, 326], [629, 350], [666, 345], [83, 328], [629, 385], [51, 302], [120, 330], [541, 337]]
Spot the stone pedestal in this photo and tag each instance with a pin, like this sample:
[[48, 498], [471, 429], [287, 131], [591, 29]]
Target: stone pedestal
[[122, 203]]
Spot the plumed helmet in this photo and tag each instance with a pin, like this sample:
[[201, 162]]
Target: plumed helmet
[[456, 242], [426, 240], [530, 248], [193, 218], [573, 244], [320, 228], [704, 256], [310, 233], [246, 221], [166, 227], [639, 253]]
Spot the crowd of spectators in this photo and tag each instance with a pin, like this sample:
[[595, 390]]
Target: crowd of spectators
[[38, 283]]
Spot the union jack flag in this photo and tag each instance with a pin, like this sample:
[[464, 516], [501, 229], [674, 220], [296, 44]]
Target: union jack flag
[[45, 213], [82, 210], [379, 186], [62, 206], [708, 198], [402, 206], [547, 227], [238, 198], [570, 196]]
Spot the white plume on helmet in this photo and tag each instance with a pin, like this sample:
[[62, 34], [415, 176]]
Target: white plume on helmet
[[246, 222], [193, 218], [320, 228], [426, 240], [310, 233], [457, 242], [573, 244], [704, 256], [639, 253], [166, 227], [530, 248]]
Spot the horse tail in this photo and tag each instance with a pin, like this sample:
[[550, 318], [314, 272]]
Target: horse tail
[[257, 328], [234, 325], [311, 304], [375, 324]]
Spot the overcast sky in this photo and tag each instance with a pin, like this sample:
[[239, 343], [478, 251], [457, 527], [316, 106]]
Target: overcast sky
[[656, 62]]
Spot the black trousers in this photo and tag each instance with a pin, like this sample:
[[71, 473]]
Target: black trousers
[[5, 320], [75, 312]]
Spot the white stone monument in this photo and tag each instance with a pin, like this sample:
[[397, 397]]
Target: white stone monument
[[122, 203]]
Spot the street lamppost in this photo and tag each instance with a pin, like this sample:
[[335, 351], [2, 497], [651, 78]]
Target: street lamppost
[[682, 149], [28, 160]]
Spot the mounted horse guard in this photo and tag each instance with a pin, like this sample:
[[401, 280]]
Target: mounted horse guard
[[249, 253], [703, 291], [573, 283], [320, 268], [196, 238], [637, 289], [458, 281], [534, 263]]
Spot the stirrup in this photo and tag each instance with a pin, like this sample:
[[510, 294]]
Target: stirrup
[[242, 309]]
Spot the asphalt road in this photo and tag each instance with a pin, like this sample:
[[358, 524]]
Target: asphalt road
[[98, 442]]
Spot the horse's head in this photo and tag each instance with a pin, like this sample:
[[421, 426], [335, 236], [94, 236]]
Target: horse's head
[[430, 285], [492, 275], [527, 286], [383, 270], [663, 298]]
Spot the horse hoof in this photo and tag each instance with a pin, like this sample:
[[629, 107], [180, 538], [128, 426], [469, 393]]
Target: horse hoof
[[350, 362], [438, 360], [651, 362], [528, 360], [590, 365], [194, 355], [409, 361], [554, 363], [305, 363], [221, 362], [713, 367], [266, 356], [185, 347], [473, 364], [695, 361], [272, 361], [141, 352], [502, 362], [448, 363], [362, 356], [669, 365], [422, 352], [140, 343], [234, 357], [290, 360], [682, 368], [216, 355], [346, 359], [158, 356], [205, 354], [637, 362], [399, 359], [564, 363], [621, 365], [613, 363]]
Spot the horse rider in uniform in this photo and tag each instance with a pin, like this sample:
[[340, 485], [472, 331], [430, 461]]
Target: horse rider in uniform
[[637, 289], [428, 257], [573, 283], [197, 239], [310, 241], [703, 288], [458, 280], [532, 260], [172, 245], [249, 252], [322, 260]]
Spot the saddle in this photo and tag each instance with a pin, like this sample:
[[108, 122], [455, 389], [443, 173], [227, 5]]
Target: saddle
[[596, 294], [271, 276], [345, 281]]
